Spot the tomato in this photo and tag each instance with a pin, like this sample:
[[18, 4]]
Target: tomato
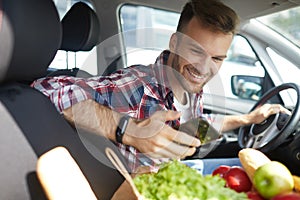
[[253, 195], [221, 170], [237, 179]]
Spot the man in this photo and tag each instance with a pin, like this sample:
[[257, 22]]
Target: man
[[150, 93]]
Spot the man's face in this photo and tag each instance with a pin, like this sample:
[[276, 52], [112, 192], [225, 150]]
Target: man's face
[[198, 54]]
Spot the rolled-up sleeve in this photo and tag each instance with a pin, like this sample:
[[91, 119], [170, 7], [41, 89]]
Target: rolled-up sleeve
[[62, 91]]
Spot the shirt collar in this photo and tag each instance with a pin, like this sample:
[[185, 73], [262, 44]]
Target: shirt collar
[[160, 71]]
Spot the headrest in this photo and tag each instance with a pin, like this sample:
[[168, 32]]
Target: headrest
[[81, 28], [30, 36]]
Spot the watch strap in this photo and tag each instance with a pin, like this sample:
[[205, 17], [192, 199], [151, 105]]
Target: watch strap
[[121, 128]]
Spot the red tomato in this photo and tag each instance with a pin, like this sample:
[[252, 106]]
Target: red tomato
[[221, 170], [237, 179], [253, 195]]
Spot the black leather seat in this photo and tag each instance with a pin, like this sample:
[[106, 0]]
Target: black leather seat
[[30, 35]]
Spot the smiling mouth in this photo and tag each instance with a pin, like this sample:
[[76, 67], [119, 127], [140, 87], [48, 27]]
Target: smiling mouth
[[195, 74]]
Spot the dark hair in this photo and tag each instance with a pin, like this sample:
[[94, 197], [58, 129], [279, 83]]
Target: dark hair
[[212, 14]]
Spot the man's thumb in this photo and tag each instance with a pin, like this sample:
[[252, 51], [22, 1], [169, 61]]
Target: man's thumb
[[172, 115], [166, 115]]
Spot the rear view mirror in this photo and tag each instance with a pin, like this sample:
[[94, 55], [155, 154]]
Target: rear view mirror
[[246, 87]]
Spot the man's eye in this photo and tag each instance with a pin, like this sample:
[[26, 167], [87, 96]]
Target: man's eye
[[194, 50], [197, 51], [216, 59]]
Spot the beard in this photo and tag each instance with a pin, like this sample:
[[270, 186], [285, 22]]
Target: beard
[[181, 73]]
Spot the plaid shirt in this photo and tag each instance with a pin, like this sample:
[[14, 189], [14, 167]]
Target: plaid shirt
[[138, 91]]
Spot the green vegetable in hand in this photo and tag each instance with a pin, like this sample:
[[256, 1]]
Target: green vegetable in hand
[[175, 180]]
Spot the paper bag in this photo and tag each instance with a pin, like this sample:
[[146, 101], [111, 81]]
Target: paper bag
[[126, 192]]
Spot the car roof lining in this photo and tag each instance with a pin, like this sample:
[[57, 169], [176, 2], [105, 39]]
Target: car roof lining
[[256, 8], [244, 8]]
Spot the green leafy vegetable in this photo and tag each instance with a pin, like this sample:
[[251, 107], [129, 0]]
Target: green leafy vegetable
[[175, 180]]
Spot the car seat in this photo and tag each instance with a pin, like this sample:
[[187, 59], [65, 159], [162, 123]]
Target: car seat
[[81, 30], [30, 35]]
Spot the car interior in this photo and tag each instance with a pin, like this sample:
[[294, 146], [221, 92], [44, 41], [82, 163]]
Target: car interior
[[31, 34], [31, 125]]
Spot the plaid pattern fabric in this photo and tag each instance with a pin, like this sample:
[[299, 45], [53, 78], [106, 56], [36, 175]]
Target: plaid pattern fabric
[[138, 91]]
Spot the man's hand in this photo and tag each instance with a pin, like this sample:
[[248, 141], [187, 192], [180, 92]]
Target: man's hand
[[150, 136], [255, 117], [158, 140], [263, 112]]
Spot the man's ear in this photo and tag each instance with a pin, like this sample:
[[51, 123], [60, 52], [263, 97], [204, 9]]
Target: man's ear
[[173, 42]]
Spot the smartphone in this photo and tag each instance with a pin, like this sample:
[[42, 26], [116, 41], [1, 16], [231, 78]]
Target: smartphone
[[200, 128]]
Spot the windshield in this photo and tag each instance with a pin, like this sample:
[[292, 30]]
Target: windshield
[[285, 23]]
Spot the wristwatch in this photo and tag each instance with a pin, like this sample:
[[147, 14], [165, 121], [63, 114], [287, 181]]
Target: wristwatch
[[121, 128]]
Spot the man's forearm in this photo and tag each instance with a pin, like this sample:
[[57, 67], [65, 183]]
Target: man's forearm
[[234, 121], [92, 116]]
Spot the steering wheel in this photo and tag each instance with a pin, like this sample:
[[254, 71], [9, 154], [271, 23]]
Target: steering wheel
[[272, 132]]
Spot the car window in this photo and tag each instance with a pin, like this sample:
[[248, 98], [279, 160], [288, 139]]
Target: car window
[[288, 73], [85, 60], [285, 23], [146, 32]]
